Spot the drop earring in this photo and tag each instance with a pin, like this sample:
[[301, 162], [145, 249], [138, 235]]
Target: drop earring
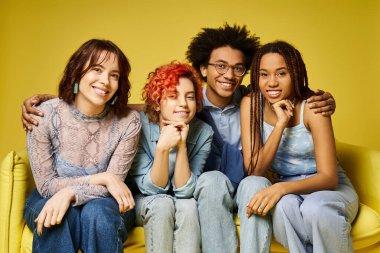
[[76, 88]]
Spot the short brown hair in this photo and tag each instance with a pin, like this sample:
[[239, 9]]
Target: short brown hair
[[76, 68]]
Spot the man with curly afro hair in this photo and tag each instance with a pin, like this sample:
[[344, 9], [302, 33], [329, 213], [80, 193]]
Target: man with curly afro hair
[[222, 57]]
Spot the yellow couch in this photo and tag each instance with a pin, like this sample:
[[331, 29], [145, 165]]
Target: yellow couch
[[362, 166]]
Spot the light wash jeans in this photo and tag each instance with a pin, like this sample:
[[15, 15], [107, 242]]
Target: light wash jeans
[[317, 222], [214, 193], [170, 224], [96, 226]]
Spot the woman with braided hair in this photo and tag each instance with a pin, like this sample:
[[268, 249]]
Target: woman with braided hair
[[312, 202]]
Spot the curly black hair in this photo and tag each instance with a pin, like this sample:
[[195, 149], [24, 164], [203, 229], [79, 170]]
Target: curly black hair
[[237, 37]]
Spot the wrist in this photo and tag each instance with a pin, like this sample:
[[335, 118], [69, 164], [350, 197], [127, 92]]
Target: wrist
[[70, 193], [282, 189], [182, 146], [280, 125], [99, 179], [162, 148]]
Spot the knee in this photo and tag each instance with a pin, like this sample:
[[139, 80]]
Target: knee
[[285, 206], [213, 183], [187, 216], [161, 207], [251, 185], [187, 208], [254, 183], [100, 212]]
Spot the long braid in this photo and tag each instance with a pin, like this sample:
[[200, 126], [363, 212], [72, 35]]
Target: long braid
[[256, 114]]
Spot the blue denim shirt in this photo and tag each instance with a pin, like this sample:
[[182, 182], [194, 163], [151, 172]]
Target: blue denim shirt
[[198, 143]]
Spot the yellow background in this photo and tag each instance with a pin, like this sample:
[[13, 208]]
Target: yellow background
[[339, 41]]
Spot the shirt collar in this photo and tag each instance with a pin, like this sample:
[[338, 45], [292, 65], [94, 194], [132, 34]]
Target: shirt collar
[[154, 131], [236, 98]]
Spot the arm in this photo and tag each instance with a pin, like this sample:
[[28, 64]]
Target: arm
[[267, 152], [182, 171], [141, 168], [322, 102], [117, 170], [170, 137], [28, 108], [326, 177], [44, 165], [151, 165], [55, 208], [190, 164]]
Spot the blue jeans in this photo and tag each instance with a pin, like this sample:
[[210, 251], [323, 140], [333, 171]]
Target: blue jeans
[[216, 203], [317, 222], [170, 224], [96, 226]]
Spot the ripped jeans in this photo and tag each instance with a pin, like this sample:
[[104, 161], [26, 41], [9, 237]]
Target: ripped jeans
[[170, 224]]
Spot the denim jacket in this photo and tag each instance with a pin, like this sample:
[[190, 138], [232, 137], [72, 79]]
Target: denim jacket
[[198, 142]]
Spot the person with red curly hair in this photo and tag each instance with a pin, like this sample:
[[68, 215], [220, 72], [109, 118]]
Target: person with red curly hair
[[171, 154]]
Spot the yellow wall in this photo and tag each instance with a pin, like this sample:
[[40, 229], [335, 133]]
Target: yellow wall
[[339, 40]]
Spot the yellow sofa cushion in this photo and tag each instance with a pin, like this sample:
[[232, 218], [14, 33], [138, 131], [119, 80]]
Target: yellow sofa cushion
[[16, 182]]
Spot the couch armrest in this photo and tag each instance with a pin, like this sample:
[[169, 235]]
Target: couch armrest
[[16, 182], [362, 166]]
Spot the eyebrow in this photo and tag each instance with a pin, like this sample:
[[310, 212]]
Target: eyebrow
[[223, 61], [102, 66], [282, 68]]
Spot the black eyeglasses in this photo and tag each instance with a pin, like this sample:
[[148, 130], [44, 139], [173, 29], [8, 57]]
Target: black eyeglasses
[[222, 68]]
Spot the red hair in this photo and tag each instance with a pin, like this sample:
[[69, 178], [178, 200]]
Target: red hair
[[163, 81]]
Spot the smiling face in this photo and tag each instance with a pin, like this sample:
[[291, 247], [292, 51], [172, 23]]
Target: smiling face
[[221, 87], [98, 85], [181, 105], [275, 82]]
